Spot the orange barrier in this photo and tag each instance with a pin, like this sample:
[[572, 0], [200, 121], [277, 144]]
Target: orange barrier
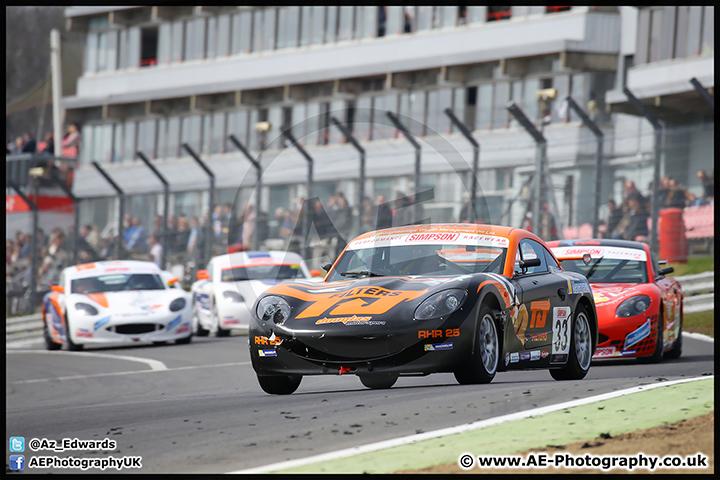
[[671, 235]]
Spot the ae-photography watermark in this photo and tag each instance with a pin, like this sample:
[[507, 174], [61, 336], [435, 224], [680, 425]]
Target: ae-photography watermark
[[585, 461], [22, 461]]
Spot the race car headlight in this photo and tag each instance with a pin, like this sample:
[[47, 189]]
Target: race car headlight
[[441, 304], [233, 297], [273, 308], [633, 306], [177, 304], [85, 309]]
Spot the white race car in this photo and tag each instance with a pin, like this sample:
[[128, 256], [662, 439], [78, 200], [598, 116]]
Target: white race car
[[224, 294], [115, 302]]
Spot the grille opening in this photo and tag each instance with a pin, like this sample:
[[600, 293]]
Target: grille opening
[[136, 328]]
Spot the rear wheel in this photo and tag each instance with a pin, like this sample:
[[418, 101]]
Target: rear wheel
[[72, 346], [279, 384], [676, 350], [220, 332], [657, 354], [580, 356], [378, 381], [484, 362], [197, 327], [49, 344]]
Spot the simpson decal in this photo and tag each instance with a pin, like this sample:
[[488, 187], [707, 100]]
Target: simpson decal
[[616, 253], [604, 352], [561, 330]]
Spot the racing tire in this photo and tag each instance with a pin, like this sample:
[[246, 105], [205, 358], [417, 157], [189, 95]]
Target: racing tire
[[485, 360], [72, 346], [184, 341], [220, 332], [379, 381], [161, 342], [675, 352], [580, 356], [49, 344], [198, 329], [657, 355], [279, 384]]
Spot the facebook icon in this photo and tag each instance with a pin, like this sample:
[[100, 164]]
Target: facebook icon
[[17, 462]]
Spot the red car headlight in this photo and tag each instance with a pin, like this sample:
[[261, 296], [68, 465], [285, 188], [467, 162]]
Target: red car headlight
[[633, 306]]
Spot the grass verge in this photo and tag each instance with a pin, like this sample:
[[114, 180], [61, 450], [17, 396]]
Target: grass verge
[[693, 265], [700, 322]]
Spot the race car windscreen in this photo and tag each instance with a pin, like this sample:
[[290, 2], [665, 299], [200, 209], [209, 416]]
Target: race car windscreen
[[261, 272], [424, 260], [609, 270], [117, 282]]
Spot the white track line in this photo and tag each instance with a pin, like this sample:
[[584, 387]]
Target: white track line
[[113, 374], [372, 447], [699, 336], [153, 364]]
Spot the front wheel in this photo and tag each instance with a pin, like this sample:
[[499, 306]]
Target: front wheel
[[219, 332], [379, 381], [676, 350], [484, 362], [580, 356], [279, 384], [197, 327], [72, 346], [49, 344]]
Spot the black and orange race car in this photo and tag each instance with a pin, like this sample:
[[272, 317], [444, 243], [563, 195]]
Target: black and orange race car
[[464, 298], [640, 309]]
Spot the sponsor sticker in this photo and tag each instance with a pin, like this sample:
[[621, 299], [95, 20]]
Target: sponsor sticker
[[507, 358], [83, 333], [434, 347], [561, 330], [354, 320], [101, 322], [544, 354], [578, 286], [634, 337], [559, 358], [600, 298], [514, 357], [534, 355], [604, 352], [617, 253], [174, 323], [183, 328], [627, 352], [267, 341], [524, 356], [267, 353]]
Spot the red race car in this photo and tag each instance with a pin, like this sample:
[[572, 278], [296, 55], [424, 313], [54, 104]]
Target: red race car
[[640, 309]]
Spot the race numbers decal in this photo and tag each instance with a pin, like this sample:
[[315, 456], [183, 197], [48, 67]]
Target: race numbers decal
[[561, 330]]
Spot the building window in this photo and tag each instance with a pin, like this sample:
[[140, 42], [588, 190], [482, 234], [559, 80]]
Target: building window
[[312, 130], [146, 137], [656, 21], [217, 140], [112, 46], [306, 26], [122, 49], [395, 23], [424, 17], [163, 43], [381, 21], [483, 107], [92, 52], [191, 132], [268, 34], [332, 23], [498, 13], [362, 118], [129, 141], [149, 46], [346, 23], [318, 25], [177, 41], [556, 9], [133, 47], [338, 109], [437, 121], [382, 127], [275, 117], [561, 111], [223, 36], [162, 138], [288, 23], [367, 21], [173, 136], [211, 38], [708, 31], [501, 99], [194, 39], [416, 112], [237, 125], [242, 32], [449, 16], [253, 118]]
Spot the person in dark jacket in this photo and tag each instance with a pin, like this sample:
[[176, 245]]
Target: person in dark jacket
[[29, 144], [383, 218]]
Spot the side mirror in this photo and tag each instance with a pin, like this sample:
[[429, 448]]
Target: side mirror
[[172, 280], [57, 288], [532, 262], [666, 271], [203, 275], [326, 266]]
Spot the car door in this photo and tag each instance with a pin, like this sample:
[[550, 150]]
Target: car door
[[538, 291]]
